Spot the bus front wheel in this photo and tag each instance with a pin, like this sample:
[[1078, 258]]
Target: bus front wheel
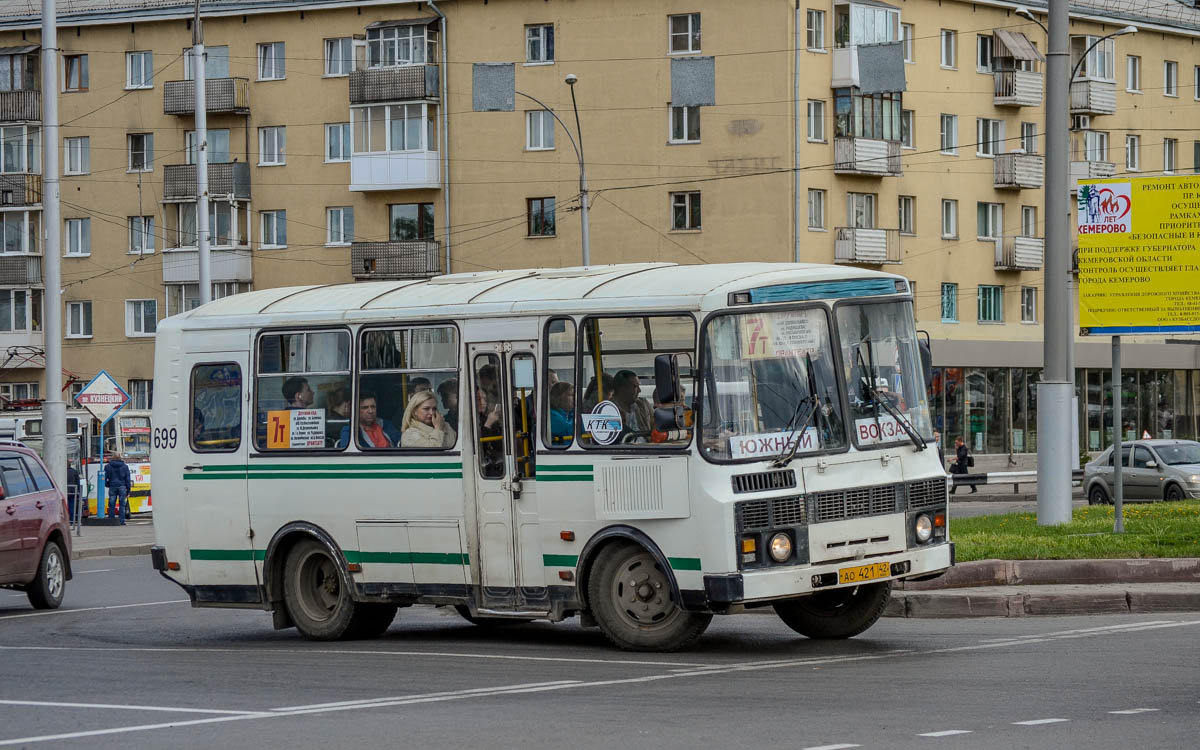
[[838, 613], [319, 602], [630, 597]]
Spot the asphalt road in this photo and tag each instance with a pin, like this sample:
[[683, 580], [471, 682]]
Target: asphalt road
[[128, 664]]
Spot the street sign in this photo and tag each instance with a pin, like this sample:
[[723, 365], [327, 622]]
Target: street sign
[[1139, 271], [102, 397]]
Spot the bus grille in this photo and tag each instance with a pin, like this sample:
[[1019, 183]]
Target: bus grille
[[762, 481], [760, 515], [856, 503], [927, 493]]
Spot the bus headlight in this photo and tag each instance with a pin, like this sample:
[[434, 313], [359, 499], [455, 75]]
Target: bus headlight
[[923, 528], [781, 547]]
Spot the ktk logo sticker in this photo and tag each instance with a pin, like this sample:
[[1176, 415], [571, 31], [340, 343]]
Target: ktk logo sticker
[[1105, 209]]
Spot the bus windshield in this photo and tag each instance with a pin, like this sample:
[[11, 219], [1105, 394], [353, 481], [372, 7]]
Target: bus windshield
[[762, 371], [882, 371], [135, 437]]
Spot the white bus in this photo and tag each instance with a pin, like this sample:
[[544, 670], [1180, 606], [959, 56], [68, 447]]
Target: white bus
[[786, 460]]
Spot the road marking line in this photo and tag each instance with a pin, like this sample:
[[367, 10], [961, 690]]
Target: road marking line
[[1036, 722], [1134, 711], [127, 707], [102, 570], [123, 730], [831, 747], [945, 733], [90, 609], [367, 701]]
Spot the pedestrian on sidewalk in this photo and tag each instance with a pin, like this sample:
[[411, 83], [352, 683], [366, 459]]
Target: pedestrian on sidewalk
[[116, 479], [72, 491], [962, 460]]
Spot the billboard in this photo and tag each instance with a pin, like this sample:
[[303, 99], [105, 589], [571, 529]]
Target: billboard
[[1139, 255]]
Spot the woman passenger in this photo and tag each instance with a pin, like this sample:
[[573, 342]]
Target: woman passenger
[[562, 413], [423, 425]]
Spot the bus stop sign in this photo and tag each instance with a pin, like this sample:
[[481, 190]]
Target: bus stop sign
[[102, 397]]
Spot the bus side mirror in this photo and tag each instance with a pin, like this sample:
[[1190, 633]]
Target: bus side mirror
[[926, 361], [666, 378]]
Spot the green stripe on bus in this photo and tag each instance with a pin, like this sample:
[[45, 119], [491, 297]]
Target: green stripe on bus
[[565, 478], [396, 466], [565, 467], [560, 561], [684, 563], [408, 558], [226, 555]]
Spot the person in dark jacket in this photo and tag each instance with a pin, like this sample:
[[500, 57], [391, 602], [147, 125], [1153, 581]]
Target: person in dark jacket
[[117, 481], [962, 459], [72, 491]]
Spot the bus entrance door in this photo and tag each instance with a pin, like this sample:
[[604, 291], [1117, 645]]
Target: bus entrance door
[[509, 555]]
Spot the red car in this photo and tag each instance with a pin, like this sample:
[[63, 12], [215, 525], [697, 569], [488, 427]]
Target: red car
[[35, 535]]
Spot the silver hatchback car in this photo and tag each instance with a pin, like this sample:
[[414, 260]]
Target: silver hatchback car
[[1150, 470]]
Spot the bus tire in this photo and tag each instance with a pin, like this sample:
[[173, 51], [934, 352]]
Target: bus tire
[[837, 613], [50, 584], [630, 597], [317, 597], [372, 620]]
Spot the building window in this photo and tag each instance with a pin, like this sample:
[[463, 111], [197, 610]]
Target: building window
[[1029, 222], [10, 392], [907, 214], [141, 234], [184, 297], [339, 56], [539, 130], [860, 210], [1029, 137], [1196, 82], [908, 124], [22, 147], [1133, 74], [75, 72], [271, 63], [1095, 145], [539, 43], [139, 70], [411, 221], [949, 218], [1098, 65], [949, 302], [141, 317], [141, 152], [141, 394], [906, 42], [816, 30], [1169, 145], [1170, 78], [1133, 152], [79, 237], [539, 213], [989, 136], [337, 141], [684, 32], [991, 309], [1196, 156], [20, 232], [949, 48], [216, 63], [685, 124], [989, 220], [274, 228], [1028, 304], [395, 46], [79, 320], [218, 146], [983, 53], [685, 209], [271, 144], [340, 225], [816, 208], [14, 311], [393, 127], [78, 155], [949, 134], [816, 120], [859, 115]]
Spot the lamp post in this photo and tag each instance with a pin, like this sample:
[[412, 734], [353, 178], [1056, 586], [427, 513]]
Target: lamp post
[[571, 80]]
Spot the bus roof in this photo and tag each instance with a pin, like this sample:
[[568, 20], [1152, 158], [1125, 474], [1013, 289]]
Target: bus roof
[[633, 286]]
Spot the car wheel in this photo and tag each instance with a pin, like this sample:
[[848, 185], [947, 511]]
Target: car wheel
[[837, 613], [1097, 496], [1174, 493], [48, 587]]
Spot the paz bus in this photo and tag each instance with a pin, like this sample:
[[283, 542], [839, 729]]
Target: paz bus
[[330, 454]]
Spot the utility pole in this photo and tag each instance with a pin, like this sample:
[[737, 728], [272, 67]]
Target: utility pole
[[198, 61], [54, 409]]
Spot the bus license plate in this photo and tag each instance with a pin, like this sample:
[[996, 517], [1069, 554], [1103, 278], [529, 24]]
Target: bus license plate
[[861, 573]]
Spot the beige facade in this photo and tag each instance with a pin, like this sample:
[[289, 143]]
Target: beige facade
[[771, 63]]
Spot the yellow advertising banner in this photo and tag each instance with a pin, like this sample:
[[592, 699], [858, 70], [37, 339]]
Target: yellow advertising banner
[[1139, 255]]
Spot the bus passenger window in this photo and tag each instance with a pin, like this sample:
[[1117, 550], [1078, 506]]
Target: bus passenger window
[[301, 378], [559, 419], [489, 417], [408, 389], [216, 408], [524, 402]]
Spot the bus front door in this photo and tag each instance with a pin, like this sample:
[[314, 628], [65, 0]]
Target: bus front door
[[509, 554]]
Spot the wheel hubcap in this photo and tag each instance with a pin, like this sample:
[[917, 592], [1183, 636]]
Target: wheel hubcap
[[642, 592], [321, 587], [54, 574]]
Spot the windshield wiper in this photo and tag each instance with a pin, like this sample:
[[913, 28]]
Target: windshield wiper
[[879, 401], [788, 453]]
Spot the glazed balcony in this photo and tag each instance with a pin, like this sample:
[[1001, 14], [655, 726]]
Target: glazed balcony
[[1089, 170], [221, 96], [1019, 171], [873, 247], [866, 156], [20, 270], [400, 259], [20, 189], [394, 170], [225, 264]]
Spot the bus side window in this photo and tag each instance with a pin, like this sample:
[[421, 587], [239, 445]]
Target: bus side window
[[300, 376], [489, 416], [558, 421], [216, 408], [395, 365], [524, 402]]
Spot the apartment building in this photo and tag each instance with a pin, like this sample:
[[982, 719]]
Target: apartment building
[[363, 141]]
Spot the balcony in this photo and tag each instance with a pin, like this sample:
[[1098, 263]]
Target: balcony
[[20, 270], [24, 349], [1018, 171], [394, 170], [868, 246], [1089, 97], [221, 96], [870, 67], [866, 156], [1089, 170], [1017, 88], [405, 259], [230, 179], [394, 84], [183, 266], [21, 106], [1019, 253], [20, 189]]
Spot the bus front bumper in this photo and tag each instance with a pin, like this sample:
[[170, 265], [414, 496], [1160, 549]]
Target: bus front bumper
[[788, 582]]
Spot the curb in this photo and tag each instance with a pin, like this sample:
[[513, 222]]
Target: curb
[[117, 551], [1055, 572], [1031, 604]]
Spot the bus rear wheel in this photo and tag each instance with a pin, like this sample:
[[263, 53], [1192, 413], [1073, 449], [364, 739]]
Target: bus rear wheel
[[631, 599], [319, 602], [838, 613]]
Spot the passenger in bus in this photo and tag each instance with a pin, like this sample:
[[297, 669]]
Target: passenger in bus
[[486, 379], [339, 404], [418, 384], [373, 432], [562, 413], [448, 391], [636, 412], [297, 393], [590, 398], [423, 425], [491, 435]]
